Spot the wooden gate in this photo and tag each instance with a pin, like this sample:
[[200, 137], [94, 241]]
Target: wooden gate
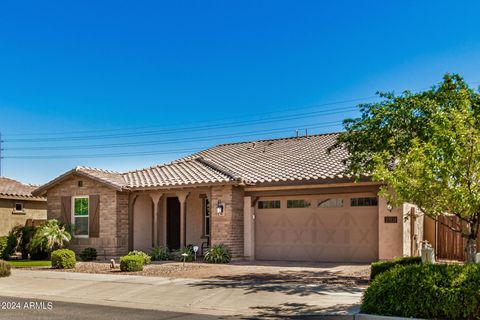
[[450, 244]]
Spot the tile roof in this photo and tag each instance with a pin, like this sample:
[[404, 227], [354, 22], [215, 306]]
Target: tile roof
[[265, 161], [15, 189], [279, 160], [187, 172]]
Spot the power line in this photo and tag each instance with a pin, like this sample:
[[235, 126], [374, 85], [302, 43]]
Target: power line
[[178, 140], [222, 121], [191, 129]]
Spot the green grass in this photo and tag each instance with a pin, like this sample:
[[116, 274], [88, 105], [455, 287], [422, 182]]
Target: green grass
[[30, 263]]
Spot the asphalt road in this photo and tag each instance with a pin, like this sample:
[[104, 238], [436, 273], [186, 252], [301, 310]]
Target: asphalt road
[[17, 308]]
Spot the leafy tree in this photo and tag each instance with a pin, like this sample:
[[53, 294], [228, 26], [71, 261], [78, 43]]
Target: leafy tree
[[425, 148], [50, 236]]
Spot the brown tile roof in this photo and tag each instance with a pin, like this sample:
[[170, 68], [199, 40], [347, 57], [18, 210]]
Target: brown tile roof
[[287, 159], [266, 161], [14, 189], [187, 172]]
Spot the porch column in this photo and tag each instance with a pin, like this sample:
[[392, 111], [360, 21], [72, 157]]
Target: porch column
[[182, 197], [131, 202], [249, 227], [155, 198]]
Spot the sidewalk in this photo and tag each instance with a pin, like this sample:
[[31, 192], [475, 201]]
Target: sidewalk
[[215, 297]]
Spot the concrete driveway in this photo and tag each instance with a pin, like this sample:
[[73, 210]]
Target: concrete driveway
[[237, 296]]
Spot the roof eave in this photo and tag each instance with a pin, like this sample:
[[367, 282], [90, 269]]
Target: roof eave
[[41, 191]]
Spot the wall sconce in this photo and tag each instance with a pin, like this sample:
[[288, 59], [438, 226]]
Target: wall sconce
[[389, 207], [220, 208]]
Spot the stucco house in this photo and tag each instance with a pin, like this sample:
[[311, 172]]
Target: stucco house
[[281, 199], [18, 206]]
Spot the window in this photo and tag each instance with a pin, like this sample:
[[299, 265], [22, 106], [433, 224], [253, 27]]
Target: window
[[18, 207], [364, 202], [298, 204], [270, 204], [80, 183], [330, 203], [80, 216], [206, 217]]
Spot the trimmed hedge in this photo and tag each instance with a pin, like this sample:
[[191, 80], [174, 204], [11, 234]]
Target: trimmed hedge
[[145, 256], [88, 254], [382, 266], [4, 269], [131, 263], [425, 291], [217, 254], [63, 259]]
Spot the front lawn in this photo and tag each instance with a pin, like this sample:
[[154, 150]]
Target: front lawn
[[30, 263]]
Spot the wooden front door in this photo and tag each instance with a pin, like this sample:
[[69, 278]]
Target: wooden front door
[[173, 223]]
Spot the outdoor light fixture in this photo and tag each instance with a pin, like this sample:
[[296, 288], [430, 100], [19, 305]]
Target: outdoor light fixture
[[220, 208], [389, 207]]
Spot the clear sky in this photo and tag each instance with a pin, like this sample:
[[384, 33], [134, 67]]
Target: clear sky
[[233, 70]]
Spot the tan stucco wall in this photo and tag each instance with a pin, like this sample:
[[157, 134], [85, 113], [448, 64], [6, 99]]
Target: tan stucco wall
[[142, 223], [195, 219], [390, 235], [430, 233], [31, 210], [113, 215]]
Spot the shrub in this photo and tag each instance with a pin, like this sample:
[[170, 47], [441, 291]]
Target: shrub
[[63, 259], [131, 263], [145, 256], [23, 236], [88, 254], [425, 291], [38, 254], [4, 269], [177, 254], [160, 253], [217, 254], [10, 246], [382, 266], [50, 236], [3, 245]]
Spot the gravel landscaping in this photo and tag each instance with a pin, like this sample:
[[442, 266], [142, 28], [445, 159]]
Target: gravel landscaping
[[273, 272]]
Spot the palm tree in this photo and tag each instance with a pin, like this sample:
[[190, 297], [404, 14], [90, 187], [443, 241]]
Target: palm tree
[[50, 236]]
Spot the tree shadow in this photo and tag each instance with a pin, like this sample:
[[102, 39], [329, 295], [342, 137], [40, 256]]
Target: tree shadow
[[302, 310], [301, 283]]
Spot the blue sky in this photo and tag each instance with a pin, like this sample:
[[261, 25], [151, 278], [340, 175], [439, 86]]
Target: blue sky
[[138, 67]]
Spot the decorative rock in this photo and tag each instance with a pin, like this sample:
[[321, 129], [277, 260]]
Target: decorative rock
[[112, 264]]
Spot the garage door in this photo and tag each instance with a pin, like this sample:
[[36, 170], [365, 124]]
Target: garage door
[[336, 228]]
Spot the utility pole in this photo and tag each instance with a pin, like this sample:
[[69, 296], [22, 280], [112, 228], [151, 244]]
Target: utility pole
[[1, 157]]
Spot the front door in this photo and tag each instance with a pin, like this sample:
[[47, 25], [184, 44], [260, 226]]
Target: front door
[[173, 223]]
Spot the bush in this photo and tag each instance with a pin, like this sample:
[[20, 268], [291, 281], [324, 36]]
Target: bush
[[425, 291], [382, 266], [38, 254], [4, 269], [63, 259], [177, 254], [217, 254], [145, 256], [88, 254], [23, 236], [3, 245], [131, 263], [160, 253], [10, 246]]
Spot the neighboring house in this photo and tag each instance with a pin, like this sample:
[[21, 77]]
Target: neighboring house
[[18, 206], [282, 199]]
